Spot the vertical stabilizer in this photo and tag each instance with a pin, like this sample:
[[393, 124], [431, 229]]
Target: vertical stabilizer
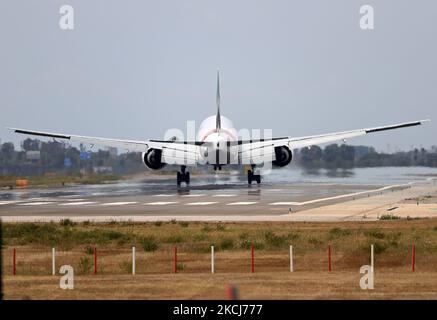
[[218, 124]]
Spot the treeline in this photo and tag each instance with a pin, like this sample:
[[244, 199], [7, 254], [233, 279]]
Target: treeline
[[345, 156], [37, 157]]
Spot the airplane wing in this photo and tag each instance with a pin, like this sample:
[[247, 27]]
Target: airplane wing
[[250, 151], [174, 152]]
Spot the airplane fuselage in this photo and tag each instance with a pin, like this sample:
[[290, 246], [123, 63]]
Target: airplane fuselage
[[217, 150]]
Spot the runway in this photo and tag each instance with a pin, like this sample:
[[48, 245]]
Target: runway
[[142, 200], [285, 195]]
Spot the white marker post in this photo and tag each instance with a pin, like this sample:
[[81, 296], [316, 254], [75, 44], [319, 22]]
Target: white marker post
[[212, 260], [53, 262], [291, 259], [133, 260], [371, 257]]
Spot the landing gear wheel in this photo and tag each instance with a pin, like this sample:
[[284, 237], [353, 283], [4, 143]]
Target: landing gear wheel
[[178, 178], [182, 177], [253, 177]]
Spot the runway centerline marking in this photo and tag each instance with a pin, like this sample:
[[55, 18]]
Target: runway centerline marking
[[35, 203], [193, 195], [160, 203], [121, 203], [77, 203], [163, 195], [224, 195], [200, 203], [243, 203]]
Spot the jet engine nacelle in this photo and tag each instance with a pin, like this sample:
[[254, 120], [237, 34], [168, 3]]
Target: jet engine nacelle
[[152, 159], [283, 156]]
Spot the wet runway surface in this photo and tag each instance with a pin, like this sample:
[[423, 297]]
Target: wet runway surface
[[164, 198], [282, 192]]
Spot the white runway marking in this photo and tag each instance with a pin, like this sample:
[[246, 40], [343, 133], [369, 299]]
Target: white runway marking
[[243, 203], [160, 203], [193, 195], [34, 203], [70, 196], [285, 204], [224, 195], [72, 200], [98, 193], [200, 203], [40, 199], [274, 190], [163, 195], [118, 203], [77, 203], [9, 202], [337, 197]]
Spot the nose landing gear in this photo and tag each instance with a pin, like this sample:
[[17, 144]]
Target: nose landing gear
[[183, 176]]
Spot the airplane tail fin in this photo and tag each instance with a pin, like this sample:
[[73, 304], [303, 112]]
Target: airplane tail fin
[[218, 124]]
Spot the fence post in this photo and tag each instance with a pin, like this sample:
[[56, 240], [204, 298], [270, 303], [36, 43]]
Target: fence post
[[413, 258], [53, 262], [231, 292], [133, 260], [14, 262], [291, 259], [95, 260], [371, 258], [252, 262], [329, 258], [212, 260], [175, 260]]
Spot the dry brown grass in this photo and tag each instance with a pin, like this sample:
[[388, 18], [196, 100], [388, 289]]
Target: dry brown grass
[[154, 279], [280, 285]]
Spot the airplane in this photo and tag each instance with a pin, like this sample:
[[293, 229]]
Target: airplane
[[218, 144]]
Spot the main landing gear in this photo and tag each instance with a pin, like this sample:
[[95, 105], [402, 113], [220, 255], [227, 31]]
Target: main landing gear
[[253, 177], [183, 176]]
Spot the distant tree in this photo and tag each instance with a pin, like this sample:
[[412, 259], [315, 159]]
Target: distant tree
[[53, 154], [363, 150], [7, 154], [331, 156], [347, 156], [311, 157], [30, 144], [8, 148]]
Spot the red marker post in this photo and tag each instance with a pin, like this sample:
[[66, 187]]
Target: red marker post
[[413, 258], [252, 260], [175, 260], [95, 260], [231, 292], [14, 262], [329, 259]]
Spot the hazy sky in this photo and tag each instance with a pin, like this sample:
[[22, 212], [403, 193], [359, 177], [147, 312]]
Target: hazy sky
[[133, 69]]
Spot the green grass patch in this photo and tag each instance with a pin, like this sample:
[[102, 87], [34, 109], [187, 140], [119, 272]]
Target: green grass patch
[[374, 233], [389, 217], [149, 244], [339, 233], [176, 238]]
